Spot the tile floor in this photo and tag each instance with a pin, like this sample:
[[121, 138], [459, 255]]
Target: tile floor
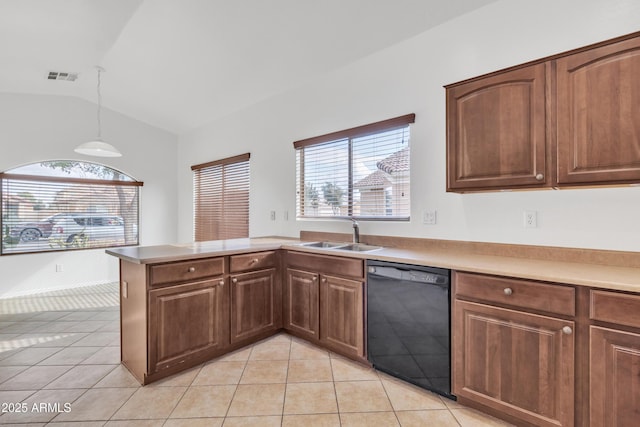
[[59, 365]]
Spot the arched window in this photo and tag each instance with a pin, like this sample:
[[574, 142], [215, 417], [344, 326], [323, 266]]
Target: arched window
[[67, 205]]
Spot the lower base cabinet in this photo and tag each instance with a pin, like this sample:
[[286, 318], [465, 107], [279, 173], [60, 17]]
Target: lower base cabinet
[[186, 321], [341, 314]]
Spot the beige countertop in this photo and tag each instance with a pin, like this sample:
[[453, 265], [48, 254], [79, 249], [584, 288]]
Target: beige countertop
[[576, 273]]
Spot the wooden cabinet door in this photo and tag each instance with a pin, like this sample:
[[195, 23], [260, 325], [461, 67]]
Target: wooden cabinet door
[[518, 363], [341, 314], [255, 306], [598, 102], [614, 378], [496, 131], [301, 304], [186, 321]]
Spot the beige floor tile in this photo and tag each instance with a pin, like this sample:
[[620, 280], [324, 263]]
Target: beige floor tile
[[265, 372], [111, 326], [135, 423], [43, 405], [34, 378], [104, 356], [81, 377], [263, 421], [204, 402], [119, 377], [15, 396], [7, 372], [315, 420], [220, 373], [236, 356], [99, 339], [270, 351], [181, 379], [406, 397], [70, 356], [79, 315], [303, 350], [30, 356], [362, 396], [194, 422], [472, 418], [309, 370], [310, 398], [281, 337], [23, 327], [150, 403], [368, 419], [436, 417], [56, 339], [49, 316], [76, 424], [347, 370], [257, 399], [97, 404]]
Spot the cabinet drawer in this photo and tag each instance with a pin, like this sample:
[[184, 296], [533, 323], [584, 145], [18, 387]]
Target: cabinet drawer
[[253, 261], [326, 264], [613, 307], [557, 299], [185, 270]]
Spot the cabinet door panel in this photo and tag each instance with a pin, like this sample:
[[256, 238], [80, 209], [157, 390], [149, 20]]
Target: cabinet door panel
[[519, 363], [301, 303], [186, 320], [254, 307], [615, 378], [341, 314], [497, 131], [598, 100]]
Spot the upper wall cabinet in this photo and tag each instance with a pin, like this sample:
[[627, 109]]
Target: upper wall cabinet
[[568, 120], [598, 127], [496, 129]]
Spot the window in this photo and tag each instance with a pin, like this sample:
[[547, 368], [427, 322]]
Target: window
[[221, 199], [361, 172], [67, 204]]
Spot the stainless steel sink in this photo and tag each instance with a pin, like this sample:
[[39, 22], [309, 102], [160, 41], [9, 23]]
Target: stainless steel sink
[[325, 245], [358, 247]]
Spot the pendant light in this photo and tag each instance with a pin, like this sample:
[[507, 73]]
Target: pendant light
[[98, 147]]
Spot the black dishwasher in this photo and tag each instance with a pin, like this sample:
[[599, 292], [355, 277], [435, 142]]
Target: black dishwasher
[[408, 323]]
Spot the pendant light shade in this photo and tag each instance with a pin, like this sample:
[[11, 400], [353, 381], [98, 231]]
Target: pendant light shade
[[98, 147]]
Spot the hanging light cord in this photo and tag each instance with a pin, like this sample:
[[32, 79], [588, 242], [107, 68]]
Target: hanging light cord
[[99, 105]]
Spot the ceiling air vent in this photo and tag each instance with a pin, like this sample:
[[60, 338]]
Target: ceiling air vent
[[57, 75]]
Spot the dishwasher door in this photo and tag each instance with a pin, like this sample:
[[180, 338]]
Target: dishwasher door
[[408, 323]]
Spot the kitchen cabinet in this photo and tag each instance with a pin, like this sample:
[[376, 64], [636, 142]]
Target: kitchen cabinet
[[324, 301], [186, 321], [561, 121], [614, 363], [513, 348], [496, 130], [598, 101], [256, 296]]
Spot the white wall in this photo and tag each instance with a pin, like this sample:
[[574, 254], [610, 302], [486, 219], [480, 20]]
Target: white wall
[[36, 128], [409, 78]]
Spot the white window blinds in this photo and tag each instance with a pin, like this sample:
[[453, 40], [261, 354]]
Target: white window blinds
[[362, 172], [221, 199]]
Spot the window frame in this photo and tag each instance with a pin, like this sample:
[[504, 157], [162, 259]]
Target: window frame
[[9, 176], [348, 135], [200, 233]]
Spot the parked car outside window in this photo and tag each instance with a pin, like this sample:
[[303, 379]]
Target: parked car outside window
[[34, 230], [81, 230]]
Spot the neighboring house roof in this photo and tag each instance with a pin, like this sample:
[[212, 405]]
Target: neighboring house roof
[[377, 179], [397, 162]]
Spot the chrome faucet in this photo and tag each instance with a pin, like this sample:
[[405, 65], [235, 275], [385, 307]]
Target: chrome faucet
[[356, 231]]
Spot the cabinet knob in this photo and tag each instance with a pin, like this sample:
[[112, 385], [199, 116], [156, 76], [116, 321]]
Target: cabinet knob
[[567, 330], [192, 269], [315, 278], [324, 280], [234, 280], [254, 261], [508, 291], [540, 177], [221, 283]]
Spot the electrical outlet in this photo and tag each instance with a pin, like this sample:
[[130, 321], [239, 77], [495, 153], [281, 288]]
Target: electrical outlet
[[429, 217], [59, 268], [273, 215], [530, 219], [285, 215]]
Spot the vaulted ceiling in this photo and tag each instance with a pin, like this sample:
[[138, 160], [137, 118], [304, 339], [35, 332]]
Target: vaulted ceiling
[[177, 64]]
